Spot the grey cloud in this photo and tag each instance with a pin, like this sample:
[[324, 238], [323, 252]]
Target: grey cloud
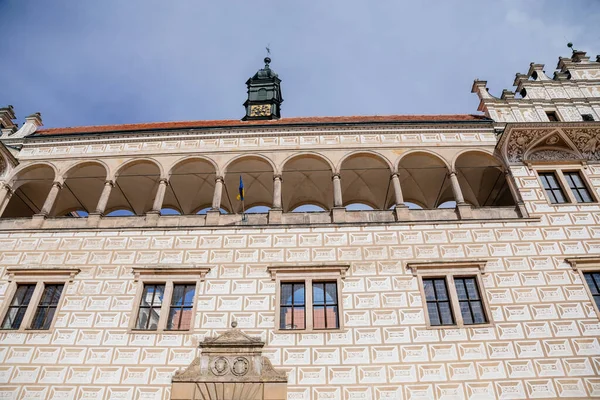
[[113, 61]]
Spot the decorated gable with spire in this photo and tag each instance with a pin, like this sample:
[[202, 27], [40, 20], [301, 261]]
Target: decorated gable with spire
[[571, 94], [264, 95]]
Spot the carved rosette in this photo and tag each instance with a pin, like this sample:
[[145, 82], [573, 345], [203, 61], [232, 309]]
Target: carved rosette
[[220, 366]]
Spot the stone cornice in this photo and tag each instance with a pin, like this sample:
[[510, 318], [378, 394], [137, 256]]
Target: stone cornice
[[193, 134]]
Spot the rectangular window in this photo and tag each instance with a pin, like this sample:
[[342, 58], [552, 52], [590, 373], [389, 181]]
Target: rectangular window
[[150, 305], [18, 307], [593, 281], [578, 187], [325, 305], [438, 302], [47, 306], [471, 307], [587, 117], [182, 304], [552, 116], [552, 188], [292, 306]]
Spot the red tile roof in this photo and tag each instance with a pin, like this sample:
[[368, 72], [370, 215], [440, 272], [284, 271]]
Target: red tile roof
[[240, 124]]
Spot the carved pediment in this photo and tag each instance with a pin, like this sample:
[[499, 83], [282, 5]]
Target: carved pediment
[[233, 337], [549, 144], [230, 367]]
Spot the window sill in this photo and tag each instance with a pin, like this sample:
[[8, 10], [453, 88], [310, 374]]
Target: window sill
[[159, 331], [309, 331], [21, 330], [486, 325]]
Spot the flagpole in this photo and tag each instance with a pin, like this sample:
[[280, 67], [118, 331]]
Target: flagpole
[[243, 211]]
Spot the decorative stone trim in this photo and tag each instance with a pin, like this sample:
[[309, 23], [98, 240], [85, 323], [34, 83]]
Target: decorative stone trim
[[584, 262], [450, 265], [36, 273], [170, 271], [303, 270]]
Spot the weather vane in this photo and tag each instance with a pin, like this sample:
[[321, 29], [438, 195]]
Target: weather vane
[[268, 49]]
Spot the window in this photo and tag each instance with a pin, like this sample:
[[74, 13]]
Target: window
[[452, 293], [292, 308], [325, 305], [438, 302], [308, 297], [35, 296], [566, 186], [47, 306], [579, 189], [588, 268], [182, 305], [552, 188], [587, 117], [166, 298], [179, 297], [18, 306], [552, 116], [469, 300], [592, 279], [150, 305]]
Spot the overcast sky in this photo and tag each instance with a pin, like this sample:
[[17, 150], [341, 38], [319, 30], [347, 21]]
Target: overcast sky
[[123, 61]]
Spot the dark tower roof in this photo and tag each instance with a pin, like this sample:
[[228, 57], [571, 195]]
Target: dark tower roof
[[264, 95]]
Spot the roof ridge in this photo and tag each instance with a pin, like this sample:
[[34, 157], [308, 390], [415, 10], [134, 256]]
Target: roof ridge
[[238, 123]]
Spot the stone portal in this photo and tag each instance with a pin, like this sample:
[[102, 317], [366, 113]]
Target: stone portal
[[230, 367]]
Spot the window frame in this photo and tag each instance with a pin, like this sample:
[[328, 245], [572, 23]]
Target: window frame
[[582, 265], [561, 186], [585, 183], [308, 275], [169, 276], [554, 114], [559, 173], [40, 277], [449, 270]]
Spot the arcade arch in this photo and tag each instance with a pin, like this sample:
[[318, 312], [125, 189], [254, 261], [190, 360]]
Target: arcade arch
[[425, 180], [307, 180], [135, 187], [365, 180], [30, 186], [482, 180], [191, 185], [257, 175], [81, 189]]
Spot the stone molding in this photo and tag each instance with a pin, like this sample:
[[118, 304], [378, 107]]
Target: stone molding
[[336, 269], [424, 266], [171, 271], [38, 272]]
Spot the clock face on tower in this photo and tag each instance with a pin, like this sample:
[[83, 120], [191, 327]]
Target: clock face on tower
[[260, 110]]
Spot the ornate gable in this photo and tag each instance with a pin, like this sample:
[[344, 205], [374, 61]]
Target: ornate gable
[[230, 367]]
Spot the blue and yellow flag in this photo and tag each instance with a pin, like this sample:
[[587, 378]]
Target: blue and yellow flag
[[241, 190]]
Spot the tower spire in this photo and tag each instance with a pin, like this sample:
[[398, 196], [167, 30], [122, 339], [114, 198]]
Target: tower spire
[[264, 93]]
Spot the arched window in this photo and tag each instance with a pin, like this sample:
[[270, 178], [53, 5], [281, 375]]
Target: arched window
[[262, 94], [121, 212], [309, 208]]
